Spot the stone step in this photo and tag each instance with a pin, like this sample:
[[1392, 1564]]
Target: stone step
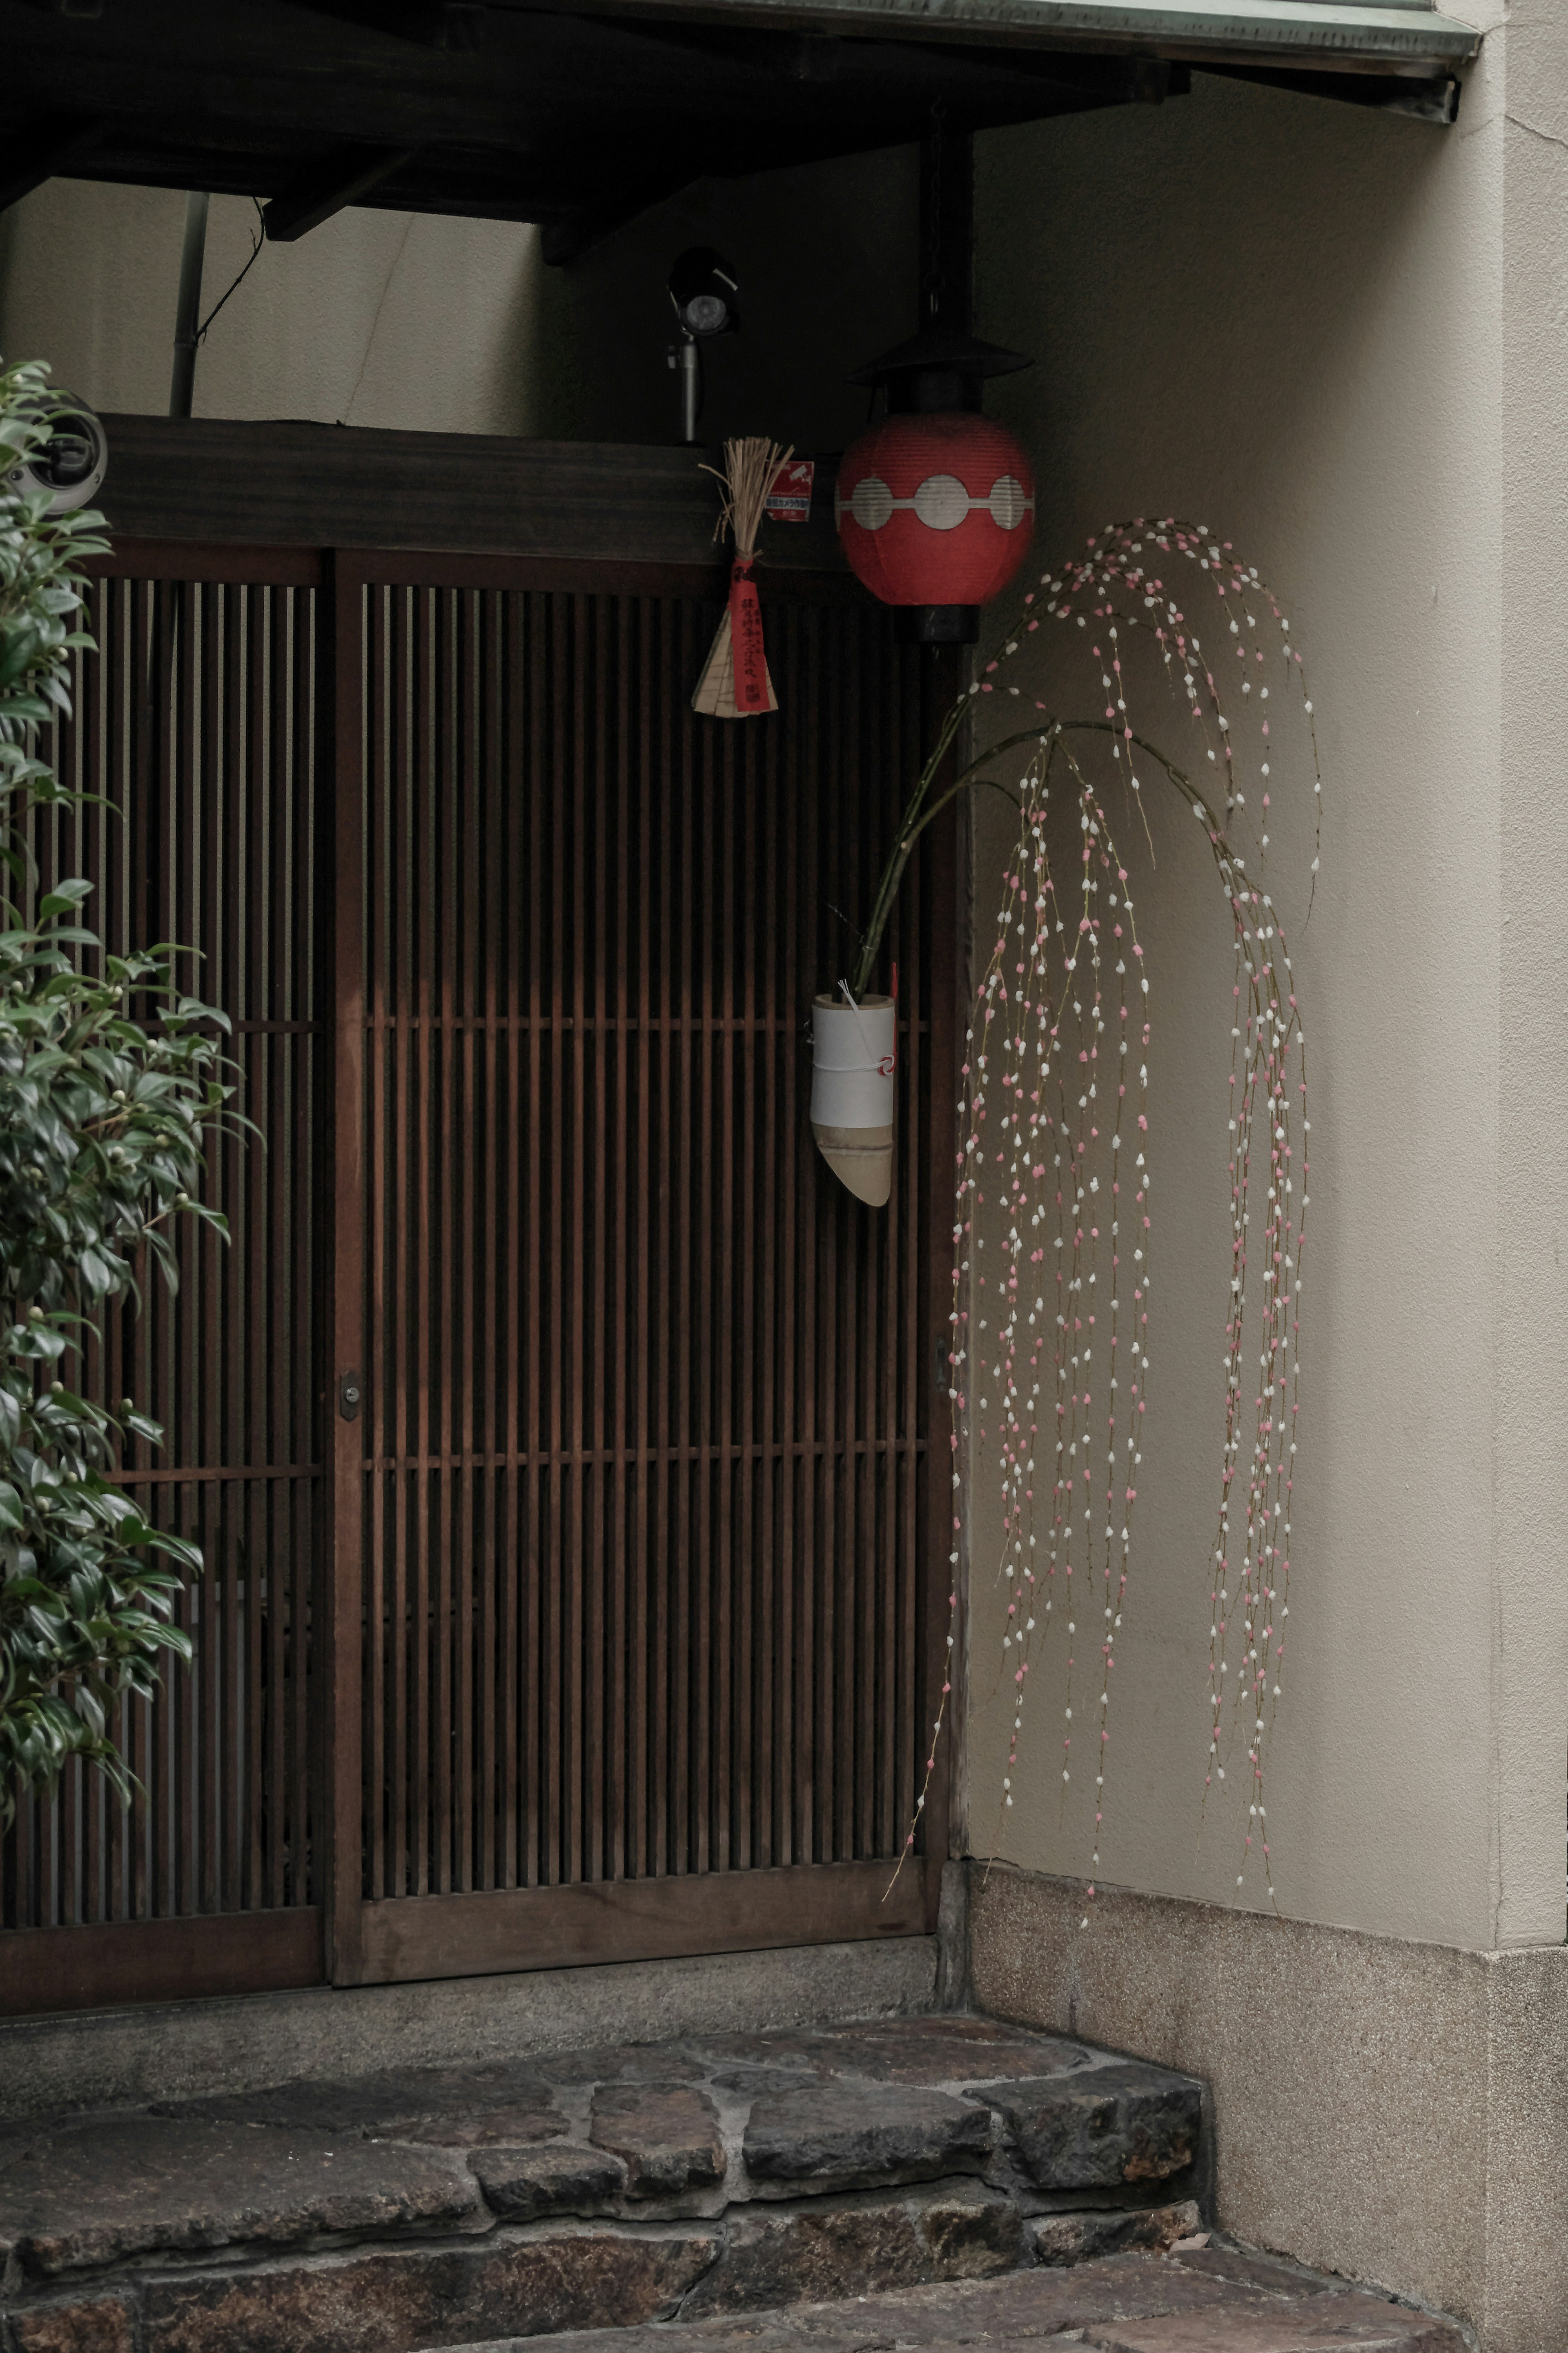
[[1199, 2298], [611, 2188]]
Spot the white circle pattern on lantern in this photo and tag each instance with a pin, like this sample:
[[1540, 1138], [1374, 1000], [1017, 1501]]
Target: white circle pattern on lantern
[[1007, 502], [872, 503], [941, 503]]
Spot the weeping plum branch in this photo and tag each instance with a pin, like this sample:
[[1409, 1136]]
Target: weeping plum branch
[[1049, 1354]]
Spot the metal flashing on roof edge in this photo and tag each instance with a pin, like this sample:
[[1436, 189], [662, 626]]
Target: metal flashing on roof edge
[[1352, 34], [1425, 97]]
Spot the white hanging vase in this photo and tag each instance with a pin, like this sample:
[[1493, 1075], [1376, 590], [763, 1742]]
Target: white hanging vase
[[854, 1056]]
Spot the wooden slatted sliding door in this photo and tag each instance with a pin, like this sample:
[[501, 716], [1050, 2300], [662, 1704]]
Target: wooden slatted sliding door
[[196, 722], [632, 1485]]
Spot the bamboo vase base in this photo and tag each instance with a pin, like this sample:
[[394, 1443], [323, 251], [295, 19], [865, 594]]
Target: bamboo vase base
[[861, 1158]]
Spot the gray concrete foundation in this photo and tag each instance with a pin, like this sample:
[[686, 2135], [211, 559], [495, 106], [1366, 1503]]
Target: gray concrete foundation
[[1393, 2111], [113, 2058]]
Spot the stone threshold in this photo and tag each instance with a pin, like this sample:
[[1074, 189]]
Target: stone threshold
[[525, 2197], [53, 2062]]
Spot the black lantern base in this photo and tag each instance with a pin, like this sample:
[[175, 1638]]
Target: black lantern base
[[936, 625]]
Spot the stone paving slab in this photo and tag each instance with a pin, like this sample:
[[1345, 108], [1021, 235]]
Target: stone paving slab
[[389, 2301], [1022, 2306], [813, 2251], [1078, 2237], [1016, 2309], [1205, 2301], [101, 2325], [624, 2062], [945, 2050], [564, 2178], [1103, 2127], [666, 2135], [457, 2105], [1337, 2324], [96, 2194], [846, 2136], [1268, 2273]]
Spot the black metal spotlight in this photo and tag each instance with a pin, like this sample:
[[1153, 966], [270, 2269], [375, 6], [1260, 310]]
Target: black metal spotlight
[[702, 291]]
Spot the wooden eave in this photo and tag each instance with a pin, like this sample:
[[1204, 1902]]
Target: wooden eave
[[578, 113]]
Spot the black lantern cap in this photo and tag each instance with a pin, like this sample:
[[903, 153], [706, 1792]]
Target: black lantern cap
[[936, 371]]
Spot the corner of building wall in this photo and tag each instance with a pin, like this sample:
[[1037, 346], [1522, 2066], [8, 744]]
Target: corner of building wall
[[1525, 2308], [1361, 2119]]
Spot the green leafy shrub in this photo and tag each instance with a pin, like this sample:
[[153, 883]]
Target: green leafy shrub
[[103, 1117]]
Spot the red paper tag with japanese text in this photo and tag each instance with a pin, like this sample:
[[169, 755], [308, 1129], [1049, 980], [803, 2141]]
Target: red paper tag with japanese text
[[747, 641]]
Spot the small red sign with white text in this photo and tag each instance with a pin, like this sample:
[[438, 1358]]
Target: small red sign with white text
[[750, 661], [789, 500]]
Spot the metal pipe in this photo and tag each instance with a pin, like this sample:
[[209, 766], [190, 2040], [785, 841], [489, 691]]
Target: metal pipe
[[188, 308], [690, 364]]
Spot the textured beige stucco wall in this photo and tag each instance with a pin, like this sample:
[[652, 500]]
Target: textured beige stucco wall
[[391, 319], [1338, 339], [1530, 1672]]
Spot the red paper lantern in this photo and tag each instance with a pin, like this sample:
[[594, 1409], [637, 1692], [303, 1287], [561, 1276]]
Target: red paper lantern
[[935, 509]]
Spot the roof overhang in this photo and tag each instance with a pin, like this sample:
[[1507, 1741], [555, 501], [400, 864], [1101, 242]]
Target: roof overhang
[[578, 113]]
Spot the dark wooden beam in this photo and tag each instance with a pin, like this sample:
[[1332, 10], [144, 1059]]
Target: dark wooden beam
[[342, 179], [159, 1960], [645, 1919], [797, 56], [431, 24], [44, 149], [1426, 98], [577, 232], [290, 487]]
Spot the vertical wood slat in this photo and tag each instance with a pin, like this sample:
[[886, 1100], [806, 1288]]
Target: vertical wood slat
[[531, 1414], [346, 1676], [295, 1829], [177, 729], [382, 1584], [392, 1402], [488, 794], [661, 997], [414, 1236]]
